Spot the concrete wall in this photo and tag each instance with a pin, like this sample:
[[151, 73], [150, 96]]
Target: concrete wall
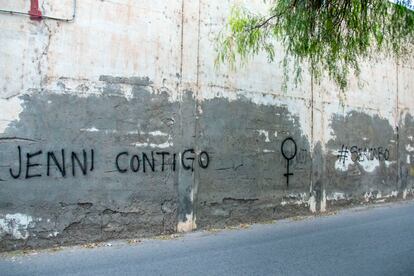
[[117, 125]]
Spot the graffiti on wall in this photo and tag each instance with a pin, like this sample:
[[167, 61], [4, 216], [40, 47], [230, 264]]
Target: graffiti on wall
[[28, 164], [35, 164], [288, 153], [132, 162], [360, 154]]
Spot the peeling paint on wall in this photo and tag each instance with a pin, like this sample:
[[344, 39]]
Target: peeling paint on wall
[[10, 111], [16, 225]]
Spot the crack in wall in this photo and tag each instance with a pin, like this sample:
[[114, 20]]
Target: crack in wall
[[230, 200]]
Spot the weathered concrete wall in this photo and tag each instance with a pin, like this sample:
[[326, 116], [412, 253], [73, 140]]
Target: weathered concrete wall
[[405, 122], [360, 138], [118, 125]]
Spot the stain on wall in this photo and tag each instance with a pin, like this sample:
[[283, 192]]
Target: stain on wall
[[59, 161], [362, 159], [246, 181], [106, 166], [406, 155]]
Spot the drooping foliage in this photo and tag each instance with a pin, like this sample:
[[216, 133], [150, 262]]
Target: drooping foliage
[[331, 36]]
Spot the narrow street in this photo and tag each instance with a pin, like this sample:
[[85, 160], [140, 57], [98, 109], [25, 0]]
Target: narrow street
[[363, 241]]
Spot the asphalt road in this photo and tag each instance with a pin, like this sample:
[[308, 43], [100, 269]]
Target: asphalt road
[[367, 241]]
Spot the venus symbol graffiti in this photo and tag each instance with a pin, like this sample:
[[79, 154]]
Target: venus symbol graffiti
[[289, 150]]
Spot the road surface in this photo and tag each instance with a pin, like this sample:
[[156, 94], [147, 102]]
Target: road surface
[[363, 241]]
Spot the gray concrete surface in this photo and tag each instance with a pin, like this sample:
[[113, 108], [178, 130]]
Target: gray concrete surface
[[361, 241]]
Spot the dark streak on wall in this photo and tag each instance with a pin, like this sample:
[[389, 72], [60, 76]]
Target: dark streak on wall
[[406, 154]]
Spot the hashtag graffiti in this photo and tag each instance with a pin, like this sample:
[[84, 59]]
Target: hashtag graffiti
[[343, 154]]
